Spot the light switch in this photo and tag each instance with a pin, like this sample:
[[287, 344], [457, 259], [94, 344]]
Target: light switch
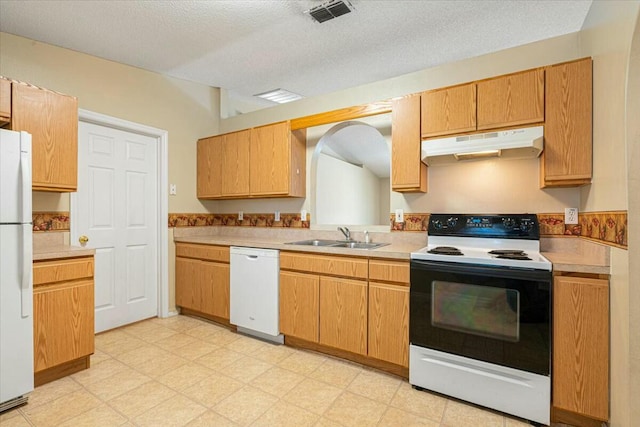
[[172, 189], [240, 216], [277, 216], [399, 215], [303, 215]]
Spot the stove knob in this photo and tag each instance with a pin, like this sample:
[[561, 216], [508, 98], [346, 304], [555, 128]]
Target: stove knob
[[508, 222], [437, 224], [452, 222], [526, 226]]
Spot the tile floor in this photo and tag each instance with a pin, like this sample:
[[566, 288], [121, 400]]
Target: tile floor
[[183, 371]]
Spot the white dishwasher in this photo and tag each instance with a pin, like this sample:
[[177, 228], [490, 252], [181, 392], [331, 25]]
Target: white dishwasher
[[254, 292]]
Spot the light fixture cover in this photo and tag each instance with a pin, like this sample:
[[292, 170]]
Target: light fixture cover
[[280, 96]]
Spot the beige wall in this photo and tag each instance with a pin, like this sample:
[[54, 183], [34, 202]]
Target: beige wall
[[186, 110], [633, 163], [606, 36]]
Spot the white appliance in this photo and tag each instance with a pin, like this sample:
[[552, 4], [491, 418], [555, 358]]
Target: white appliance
[[16, 281], [254, 294], [512, 143]]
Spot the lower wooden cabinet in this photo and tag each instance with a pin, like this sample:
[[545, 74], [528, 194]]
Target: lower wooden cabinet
[[581, 347], [343, 314], [63, 317], [389, 311], [299, 305], [389, 323], [202, 279]]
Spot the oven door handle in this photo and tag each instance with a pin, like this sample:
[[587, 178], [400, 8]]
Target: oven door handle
[[480, 270]]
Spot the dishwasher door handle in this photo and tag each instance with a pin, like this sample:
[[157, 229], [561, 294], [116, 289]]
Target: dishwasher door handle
[[252, 256]]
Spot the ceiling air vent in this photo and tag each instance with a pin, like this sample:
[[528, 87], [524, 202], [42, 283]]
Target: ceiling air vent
[[330, 10]]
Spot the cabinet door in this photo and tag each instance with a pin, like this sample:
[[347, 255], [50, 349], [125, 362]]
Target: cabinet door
[[343, 314], [448, 111], [188, 290], [568, 151], [214, 284], [408, 173], [581, 346], [299, 305], [63, 327], [235, 163], [270, 160], [209, 175], [511, 100], [5, 101], [389, 323], [52, 121]]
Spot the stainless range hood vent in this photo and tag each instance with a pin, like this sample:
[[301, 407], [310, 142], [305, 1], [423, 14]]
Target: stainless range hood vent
[[512, 143], [330, 10]]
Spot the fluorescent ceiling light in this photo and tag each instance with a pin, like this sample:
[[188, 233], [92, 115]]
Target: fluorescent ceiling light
[[279, 96]]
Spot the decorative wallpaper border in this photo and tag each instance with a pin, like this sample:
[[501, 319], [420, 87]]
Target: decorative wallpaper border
[[288, 220], [609, 227], [412, 222], [51, 221]]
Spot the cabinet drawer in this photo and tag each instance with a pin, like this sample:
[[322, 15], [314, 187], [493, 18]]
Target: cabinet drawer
[[206, 252], [323, 264], [389, 271], [62, 270]]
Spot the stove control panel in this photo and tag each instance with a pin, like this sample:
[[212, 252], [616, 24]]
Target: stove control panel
[[515, 226]]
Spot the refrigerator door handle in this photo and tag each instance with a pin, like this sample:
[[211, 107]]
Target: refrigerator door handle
[[25, 168], [27, 229], [27, 271]]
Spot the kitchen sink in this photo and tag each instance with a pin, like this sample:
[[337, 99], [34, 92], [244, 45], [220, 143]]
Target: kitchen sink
[[339, 244], [314, 243]]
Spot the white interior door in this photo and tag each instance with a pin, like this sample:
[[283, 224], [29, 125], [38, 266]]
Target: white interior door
[[117, 210]]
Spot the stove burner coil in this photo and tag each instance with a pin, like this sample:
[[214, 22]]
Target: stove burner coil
[[507, 252], [520, 257], [445, 250]]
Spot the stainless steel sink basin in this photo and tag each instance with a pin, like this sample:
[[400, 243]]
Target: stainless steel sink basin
[[315, 242], [359, 245], [338, 244]]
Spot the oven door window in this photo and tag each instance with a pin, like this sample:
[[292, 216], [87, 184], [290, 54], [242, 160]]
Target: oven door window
[[478, 310]]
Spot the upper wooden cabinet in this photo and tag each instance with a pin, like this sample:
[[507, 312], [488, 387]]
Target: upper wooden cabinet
[[505, 101], [5, 101], [52, 120], [277, 161], [511, 100], [581, 346], [568, 148], [268, 161], [408, 173], [235, 163], [448, 111]]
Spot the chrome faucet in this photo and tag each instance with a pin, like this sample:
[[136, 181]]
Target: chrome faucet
[[346, 232]]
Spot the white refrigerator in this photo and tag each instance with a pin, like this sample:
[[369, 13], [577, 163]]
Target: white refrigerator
[[16, 281]]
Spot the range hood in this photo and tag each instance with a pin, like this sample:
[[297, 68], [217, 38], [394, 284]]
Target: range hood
[[512, 143]]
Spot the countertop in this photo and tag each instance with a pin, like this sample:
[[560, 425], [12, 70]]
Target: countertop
[[60, 251], [570, 259], [400, 251]]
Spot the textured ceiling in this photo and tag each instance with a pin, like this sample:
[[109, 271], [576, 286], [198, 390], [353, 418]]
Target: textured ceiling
[[248, 47]]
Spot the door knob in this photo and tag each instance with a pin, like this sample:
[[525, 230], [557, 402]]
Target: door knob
[[83, 240]]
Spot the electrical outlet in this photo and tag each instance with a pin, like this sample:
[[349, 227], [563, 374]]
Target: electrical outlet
[[172, 189], [399, 215], [303, 215], [277, 216], [570, 215], [240, 216]]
